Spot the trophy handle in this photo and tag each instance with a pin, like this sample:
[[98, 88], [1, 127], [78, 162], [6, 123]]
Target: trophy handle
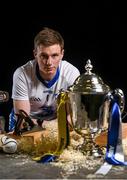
[[118, 93], [112, 96], [118, 96]]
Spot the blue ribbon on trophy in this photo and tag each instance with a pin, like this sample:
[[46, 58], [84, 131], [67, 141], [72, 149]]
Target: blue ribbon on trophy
[[114, 152]]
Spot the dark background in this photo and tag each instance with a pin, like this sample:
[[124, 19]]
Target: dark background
[[91, 30]]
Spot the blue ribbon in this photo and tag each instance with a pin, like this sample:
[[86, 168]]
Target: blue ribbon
[[113, 136], [47, 158]]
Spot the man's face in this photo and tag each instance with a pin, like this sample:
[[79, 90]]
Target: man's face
[[48, 59]]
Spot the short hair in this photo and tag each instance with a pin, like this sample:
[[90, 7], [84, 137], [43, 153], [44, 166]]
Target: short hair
[[48, 37]]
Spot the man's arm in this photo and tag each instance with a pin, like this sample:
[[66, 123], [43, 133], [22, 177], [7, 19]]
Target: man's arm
[[21, 105]]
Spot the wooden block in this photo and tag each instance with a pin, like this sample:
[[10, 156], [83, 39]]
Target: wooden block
[[36, 135], [101, 139], [124, 130]]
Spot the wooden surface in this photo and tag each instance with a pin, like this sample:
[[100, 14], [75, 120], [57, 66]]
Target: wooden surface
[[34, 135], [124, 130], [100, 140]]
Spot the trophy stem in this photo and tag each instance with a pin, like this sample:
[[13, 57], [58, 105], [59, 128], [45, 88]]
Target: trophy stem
[[89, 147]]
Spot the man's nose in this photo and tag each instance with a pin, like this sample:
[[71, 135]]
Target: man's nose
[[49, 60]]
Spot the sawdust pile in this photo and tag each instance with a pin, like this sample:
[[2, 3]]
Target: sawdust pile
[[70, 161]]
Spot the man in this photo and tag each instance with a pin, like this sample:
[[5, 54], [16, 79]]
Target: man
[[37, 83]]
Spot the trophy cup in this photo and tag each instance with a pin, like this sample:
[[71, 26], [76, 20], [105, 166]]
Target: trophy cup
[[90, 102]]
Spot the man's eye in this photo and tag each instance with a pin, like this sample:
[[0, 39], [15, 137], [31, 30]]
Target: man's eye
[[42, 56], [54, 55]]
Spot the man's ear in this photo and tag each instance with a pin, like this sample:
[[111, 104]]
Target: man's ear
[[34, 53], [62, 53]]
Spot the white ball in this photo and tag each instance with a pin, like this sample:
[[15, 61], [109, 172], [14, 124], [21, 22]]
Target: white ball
[[9, 145]]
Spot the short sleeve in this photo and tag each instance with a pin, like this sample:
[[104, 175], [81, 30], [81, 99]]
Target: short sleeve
[[20, 87]]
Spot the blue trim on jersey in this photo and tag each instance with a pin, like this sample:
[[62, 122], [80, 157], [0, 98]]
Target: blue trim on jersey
[[48, 84], [12, 121]]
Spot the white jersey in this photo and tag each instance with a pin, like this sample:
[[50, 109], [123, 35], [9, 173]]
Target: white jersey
[[28, 85]]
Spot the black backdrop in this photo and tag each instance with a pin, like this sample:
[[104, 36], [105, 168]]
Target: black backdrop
[[92, 30]]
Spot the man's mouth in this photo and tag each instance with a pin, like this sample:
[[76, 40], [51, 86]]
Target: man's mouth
[[49, 68]]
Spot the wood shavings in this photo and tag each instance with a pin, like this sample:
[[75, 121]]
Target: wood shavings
[[70, 161]]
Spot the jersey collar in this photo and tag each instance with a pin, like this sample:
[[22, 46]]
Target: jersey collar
[[50, 83]]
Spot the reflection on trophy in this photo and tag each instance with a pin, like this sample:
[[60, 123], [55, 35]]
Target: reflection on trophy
[[90, 102]]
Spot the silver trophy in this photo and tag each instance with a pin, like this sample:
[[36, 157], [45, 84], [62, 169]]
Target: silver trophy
[[90, 101]]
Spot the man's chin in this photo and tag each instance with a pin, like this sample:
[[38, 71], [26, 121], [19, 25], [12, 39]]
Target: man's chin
[[50, 75]]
